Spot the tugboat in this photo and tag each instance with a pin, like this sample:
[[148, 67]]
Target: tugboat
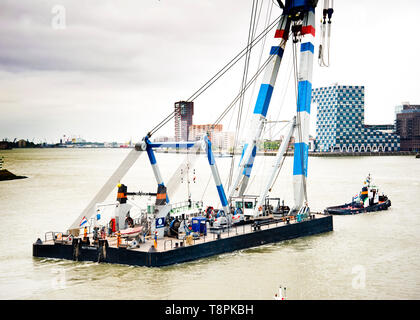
[[367, 200]]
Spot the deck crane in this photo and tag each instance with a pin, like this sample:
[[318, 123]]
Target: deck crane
[[147, 146], [298, 20]]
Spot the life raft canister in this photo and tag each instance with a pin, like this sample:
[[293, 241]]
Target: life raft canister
[[118, 239], [113, 225], [161, 195], [122, 193]]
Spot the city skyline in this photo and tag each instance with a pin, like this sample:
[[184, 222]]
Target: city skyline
[[105, 72]]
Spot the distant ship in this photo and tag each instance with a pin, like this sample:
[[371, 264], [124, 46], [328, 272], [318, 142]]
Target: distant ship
[[223, 155], [366, 201]]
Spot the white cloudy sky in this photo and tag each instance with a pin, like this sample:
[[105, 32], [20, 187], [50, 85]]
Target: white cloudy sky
[[117, 67]]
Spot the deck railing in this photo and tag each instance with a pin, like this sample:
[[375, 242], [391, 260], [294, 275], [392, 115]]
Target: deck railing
[[186, 205]]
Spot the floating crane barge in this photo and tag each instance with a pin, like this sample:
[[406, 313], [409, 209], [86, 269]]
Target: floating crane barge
[[171, 251], [239, 225]]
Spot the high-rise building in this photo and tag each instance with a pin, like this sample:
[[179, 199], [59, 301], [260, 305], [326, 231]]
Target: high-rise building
[[224, 140], [340, 122], [184, 112], [408, 126], [197, 131]]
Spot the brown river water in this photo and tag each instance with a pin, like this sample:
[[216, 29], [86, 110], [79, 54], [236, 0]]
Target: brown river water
[[369, 256]]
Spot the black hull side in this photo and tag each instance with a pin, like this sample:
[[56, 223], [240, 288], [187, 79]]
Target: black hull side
[[187, 253], [340, 211]]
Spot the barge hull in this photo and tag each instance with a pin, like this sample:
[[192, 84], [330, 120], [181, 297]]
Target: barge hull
[[186, 253]]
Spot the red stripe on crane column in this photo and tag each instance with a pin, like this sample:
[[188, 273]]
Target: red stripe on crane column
[[279, 33], [308, 30]]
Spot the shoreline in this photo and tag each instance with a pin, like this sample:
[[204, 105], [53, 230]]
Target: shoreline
[[259, 153], [311, 154]]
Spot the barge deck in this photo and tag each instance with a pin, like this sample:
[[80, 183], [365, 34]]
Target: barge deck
[[171, 251]]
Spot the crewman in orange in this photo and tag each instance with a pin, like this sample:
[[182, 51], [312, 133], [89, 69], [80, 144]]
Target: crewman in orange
[[155, 242], [118, 239], [85, 233]]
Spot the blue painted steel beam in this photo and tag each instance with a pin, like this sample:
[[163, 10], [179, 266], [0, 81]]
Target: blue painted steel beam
[[215, 172], [304, 96], [263, 100], [248, 166], [175, 145], [307, 46], [300, 157]]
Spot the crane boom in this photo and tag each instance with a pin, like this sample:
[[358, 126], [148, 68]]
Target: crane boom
[[260, 111]]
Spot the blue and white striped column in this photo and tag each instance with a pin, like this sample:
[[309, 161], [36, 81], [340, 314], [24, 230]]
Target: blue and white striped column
[[260, 111], [300, 165], [216, 176], [152, 159]]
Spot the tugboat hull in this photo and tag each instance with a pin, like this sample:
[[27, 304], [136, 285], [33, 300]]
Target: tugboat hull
[[349, 209]]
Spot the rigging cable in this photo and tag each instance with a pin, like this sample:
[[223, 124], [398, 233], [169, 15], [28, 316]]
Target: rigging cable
[[231, 105], [251, 32], [233, 61], [235, 100], [217, 76], [286, 87], [277, 175], [280, 166], [205, 189], [267, 19]]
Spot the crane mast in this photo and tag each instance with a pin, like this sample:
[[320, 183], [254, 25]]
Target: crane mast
[[306, 28], [298, 19]]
